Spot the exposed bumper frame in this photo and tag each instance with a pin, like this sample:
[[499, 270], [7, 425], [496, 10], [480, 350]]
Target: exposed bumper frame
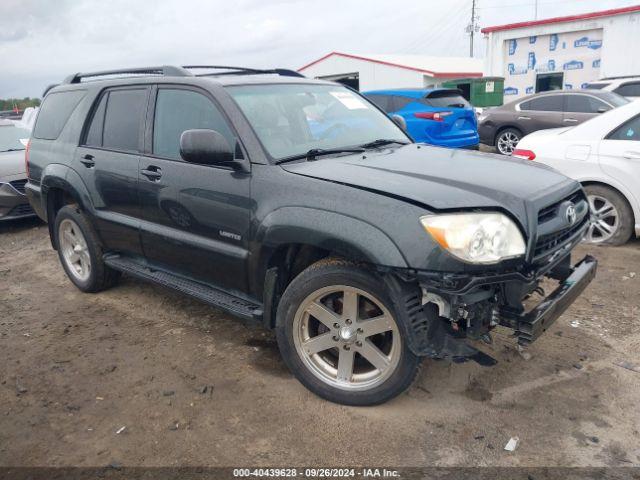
[[529, 326]]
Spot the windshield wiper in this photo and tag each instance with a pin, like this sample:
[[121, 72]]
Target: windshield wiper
[[316, 152], [13, 150], [381, 142]]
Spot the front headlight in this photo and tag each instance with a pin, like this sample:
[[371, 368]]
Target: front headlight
[[476, 237]]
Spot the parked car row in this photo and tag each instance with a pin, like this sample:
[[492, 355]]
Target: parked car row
[[13, 177]]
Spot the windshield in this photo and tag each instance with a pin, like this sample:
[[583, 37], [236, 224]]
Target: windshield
[[10, 137], [295, 118]]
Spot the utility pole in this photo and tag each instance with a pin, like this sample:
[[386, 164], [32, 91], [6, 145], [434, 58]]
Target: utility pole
[[473, 27]]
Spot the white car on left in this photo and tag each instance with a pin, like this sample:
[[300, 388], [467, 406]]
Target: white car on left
[[604, 155]]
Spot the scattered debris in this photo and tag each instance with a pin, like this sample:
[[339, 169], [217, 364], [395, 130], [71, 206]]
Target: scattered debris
[[512, 444], [628, 365], [168, 393], [99, 398], [594, 439], [174, 426], [583, 356], [73, 408], [115, 465], [120, 430], [578, 366], [523, 353], [478, 437], [632, 274], [575, 323], [21, 389]]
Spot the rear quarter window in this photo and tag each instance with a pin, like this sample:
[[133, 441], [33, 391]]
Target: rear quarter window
[[446, 100], [55, 112]]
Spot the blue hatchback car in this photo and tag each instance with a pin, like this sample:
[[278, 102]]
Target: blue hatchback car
[[439, 116]]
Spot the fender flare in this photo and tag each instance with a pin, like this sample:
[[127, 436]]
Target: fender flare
[[335, 232]]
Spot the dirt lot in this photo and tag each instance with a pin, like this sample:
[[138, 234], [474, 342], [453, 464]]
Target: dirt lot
[[187, 385]]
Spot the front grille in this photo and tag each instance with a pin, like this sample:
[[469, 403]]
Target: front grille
[[20, 210], [19, 185], [554, 240], [548, 213]]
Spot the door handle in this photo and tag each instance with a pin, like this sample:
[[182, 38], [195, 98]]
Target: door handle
[[88, 161], [524, 118], [572, 120], [631, 155], [152, 172]]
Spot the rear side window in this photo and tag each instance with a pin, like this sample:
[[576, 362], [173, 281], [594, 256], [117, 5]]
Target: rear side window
[[123, 119], [627, 131], [179, 110], [55, 112], [117, 120], [631, 89], [585, 104], [446, 100], [548, 103]]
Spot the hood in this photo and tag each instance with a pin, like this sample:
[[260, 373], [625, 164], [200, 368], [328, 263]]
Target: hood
[[549, 132], [445, 179], [11, 163]]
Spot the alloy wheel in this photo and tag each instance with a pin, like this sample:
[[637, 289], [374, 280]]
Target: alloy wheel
[[605, 219], [507, 142], [74, 250], [347, 338]]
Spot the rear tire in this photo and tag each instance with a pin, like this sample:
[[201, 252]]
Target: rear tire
[[80, 251], [613, 218], [337, 332], [507, 140]]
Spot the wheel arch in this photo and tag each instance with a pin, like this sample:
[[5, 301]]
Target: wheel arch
[[291, 239], [61, 186]]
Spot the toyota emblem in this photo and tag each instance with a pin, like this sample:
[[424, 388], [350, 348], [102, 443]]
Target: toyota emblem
[[571, 214]]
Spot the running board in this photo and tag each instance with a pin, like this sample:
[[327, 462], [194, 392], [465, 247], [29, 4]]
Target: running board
[[224, 301]]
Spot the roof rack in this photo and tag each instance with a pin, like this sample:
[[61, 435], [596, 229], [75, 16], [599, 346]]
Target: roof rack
[[165, 70], [621, 77], [228, 70], [171, 71]]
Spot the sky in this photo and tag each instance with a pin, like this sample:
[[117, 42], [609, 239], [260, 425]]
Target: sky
[[43, 41]]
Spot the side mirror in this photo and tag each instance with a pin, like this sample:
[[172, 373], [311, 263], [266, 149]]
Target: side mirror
[[400, 121], [603, 109], [206, 147]]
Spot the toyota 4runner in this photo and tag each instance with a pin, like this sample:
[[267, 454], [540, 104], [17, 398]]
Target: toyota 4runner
[[299, 204]]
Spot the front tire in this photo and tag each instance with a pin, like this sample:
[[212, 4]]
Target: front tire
[[612, 216], [507, 140], [80, 251], [337, 332]]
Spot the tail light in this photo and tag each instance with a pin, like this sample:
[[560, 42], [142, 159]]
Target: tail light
[[26, 157], [437, 116], [524, 154]]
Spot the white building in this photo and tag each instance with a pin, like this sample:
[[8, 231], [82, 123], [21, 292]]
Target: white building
[[373, 72], [563, 52]]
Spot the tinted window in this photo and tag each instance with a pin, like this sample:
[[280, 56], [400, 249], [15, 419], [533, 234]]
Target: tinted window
[[595, 86], [10, 137], [123, 119], [398, 103], [627, 131], [382, 101], [629, 89], [585, 104], [613, 98], [446, 99], [180, 110], [94, 134], [54, 113], [547, 103]]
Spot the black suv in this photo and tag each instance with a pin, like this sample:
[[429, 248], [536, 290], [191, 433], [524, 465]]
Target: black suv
[[300, 204]]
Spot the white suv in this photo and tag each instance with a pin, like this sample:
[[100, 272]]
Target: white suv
[[604, 155], [626, 86]]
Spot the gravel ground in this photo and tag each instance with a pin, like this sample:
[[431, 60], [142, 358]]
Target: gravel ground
[[139, 375]]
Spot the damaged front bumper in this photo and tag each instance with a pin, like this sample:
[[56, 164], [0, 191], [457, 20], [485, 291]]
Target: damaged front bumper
[[529, 326], [445, 323]]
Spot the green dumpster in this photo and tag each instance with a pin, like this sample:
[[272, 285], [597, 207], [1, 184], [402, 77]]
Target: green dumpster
[[480, 92]]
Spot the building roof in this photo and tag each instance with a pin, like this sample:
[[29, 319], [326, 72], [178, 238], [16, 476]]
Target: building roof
[[433, 66], [569, 18]]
